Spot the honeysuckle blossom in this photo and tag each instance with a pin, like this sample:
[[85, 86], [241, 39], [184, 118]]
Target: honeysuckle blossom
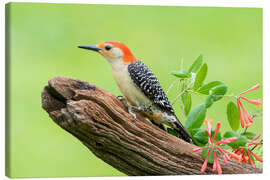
[[247, 153], [213, 146], [247, 119]]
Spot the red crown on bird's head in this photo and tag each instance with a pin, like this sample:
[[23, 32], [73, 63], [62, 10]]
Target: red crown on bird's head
[[127, 55]]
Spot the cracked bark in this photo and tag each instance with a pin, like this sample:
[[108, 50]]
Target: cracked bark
[[101, 122]]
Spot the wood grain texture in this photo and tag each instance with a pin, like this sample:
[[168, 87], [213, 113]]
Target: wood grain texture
[[135, 147]]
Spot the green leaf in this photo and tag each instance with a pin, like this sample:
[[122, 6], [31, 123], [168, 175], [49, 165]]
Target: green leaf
[[196, 65], [249, 135], [209, 101], [211, 155], [186, 99], [241, 140], [200, 77], [196, 142], [233, 116], [181, 74], [196, 117], [218, 137], [194, 131], [218, 91], [172, 132], [200, 137], [229, 134], [204, 89]]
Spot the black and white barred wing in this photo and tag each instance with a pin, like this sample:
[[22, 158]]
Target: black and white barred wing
[[149, 85]]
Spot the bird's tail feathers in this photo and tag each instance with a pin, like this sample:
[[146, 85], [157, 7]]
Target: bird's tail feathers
[[183, 133]]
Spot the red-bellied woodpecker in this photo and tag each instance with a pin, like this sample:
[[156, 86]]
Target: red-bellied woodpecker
[[139, 86]]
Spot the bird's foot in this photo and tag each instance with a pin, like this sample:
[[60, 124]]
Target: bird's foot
[[122, 99], [131, 109], [141, 108]]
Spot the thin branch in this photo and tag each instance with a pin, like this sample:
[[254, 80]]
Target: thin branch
[[171, 86]]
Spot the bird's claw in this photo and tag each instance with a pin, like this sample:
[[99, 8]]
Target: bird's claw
[[137, 108], [141, 108], [120, 97], [123, 100], [130, 110]]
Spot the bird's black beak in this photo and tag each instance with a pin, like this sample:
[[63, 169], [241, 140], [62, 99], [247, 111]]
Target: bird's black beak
[[90, 47]]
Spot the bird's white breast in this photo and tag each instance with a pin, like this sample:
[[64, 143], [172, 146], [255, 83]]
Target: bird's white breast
[[126, 85]]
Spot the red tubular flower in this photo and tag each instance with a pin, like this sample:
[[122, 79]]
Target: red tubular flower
[[204, 166], [257, 86], [215, 160], [214, 146], [255, 138], [255, 156], [241, 152], [246, 155], [239, 109], [247, 118], [233, 155], [201, 148], [209, 127], [226, 141], [219, 168], [223, 157], [255, 102], [217, 129], [250, 160]]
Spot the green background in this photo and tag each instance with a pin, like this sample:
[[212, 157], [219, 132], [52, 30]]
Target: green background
[[43, 40]]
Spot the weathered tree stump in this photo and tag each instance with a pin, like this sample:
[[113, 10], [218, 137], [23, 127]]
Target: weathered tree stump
[[101, 122]]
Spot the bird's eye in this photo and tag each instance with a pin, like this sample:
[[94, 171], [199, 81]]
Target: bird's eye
[[108, 48]]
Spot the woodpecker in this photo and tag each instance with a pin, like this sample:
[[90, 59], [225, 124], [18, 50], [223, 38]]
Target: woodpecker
[[139, 86]]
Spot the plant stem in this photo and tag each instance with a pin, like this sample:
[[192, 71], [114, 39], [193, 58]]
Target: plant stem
[[256, 146], [195, 92], [178, 94], [171, 86], [245, 130], [181, 104]]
